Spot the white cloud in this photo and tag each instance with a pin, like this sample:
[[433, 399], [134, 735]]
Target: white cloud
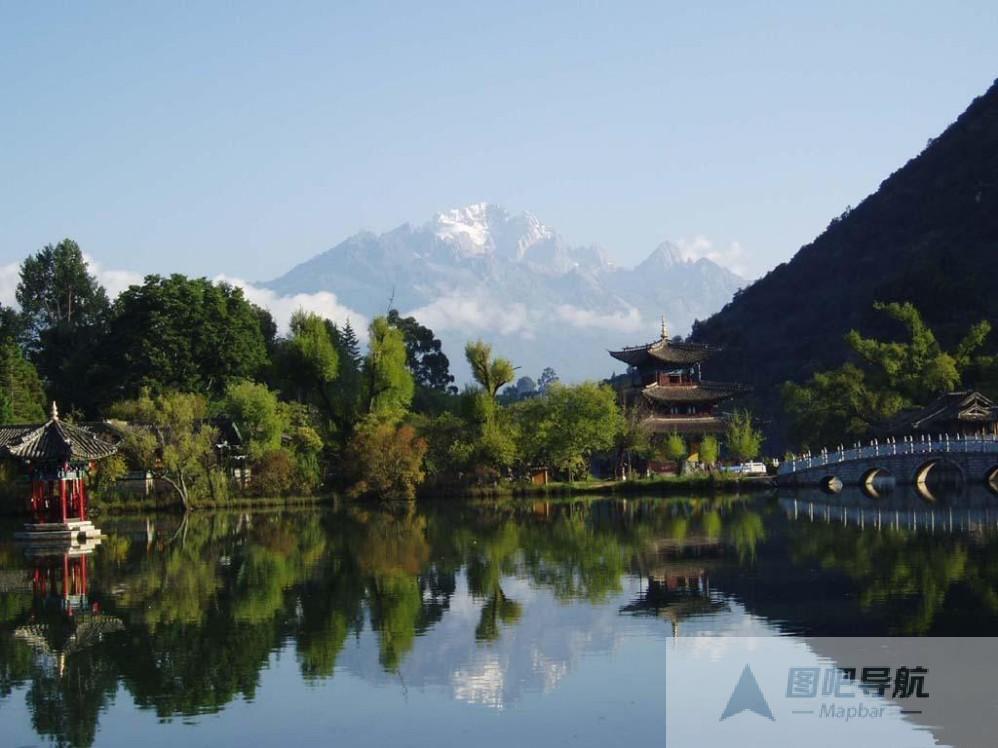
[[323, 303], [733, 257], [615, 322], [9, 278], [114, 281], [467, 312]]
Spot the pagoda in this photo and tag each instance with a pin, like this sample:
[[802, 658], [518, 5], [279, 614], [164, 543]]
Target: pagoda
[[57, 457], [664, 382]]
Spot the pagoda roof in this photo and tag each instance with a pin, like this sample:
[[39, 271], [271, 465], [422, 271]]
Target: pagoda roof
[[698, 424], [664, 351], [702, 392], [53, 441]]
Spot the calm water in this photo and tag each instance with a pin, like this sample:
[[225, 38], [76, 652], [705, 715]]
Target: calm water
[[534, 623]]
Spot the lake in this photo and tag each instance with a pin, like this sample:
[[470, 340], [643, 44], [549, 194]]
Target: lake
[[493, 624]]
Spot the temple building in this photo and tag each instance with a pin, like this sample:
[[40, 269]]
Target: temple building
[[967, 413], [664, 382], [56, 457]]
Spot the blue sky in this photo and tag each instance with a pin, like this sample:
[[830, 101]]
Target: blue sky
[[243, 138]]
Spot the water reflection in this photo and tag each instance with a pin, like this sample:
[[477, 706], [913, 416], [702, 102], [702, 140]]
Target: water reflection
[[486, 604]]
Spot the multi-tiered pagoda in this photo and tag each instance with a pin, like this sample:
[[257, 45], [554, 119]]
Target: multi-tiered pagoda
[[664, 382]]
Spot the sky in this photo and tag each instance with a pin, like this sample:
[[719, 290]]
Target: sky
[[243, 138]]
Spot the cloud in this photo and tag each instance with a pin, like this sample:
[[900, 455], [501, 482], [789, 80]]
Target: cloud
[[323, 303], [9, 278], [615, 322], [733, 257], [114, 281], [467, 312]]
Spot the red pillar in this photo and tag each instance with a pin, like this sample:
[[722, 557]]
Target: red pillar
[[83, 499], [62, 498]]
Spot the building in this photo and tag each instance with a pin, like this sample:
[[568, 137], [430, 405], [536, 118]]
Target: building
[[664, 383], [56, 456], [967, 413]]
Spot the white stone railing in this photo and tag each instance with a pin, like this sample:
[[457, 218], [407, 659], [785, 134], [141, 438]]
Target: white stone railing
[[907, 445]]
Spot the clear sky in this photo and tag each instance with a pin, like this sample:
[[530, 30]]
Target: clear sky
[[241, 138]]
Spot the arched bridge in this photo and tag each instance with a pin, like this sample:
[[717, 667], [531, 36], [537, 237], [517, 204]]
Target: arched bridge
[[919, 461]]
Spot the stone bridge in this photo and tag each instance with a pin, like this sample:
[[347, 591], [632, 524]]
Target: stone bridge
[[919, 461]]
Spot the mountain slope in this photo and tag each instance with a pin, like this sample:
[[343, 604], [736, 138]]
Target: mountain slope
[[929, 235], [479, 271]]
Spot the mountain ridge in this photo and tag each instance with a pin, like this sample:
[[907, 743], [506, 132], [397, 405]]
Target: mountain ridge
[[480, 271]]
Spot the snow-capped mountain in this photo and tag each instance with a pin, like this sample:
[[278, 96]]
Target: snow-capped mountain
[[480, 271]]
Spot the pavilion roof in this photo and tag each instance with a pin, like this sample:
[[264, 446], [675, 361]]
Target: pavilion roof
[[664, 351], [698, 424], [54, 440], [702, 392]]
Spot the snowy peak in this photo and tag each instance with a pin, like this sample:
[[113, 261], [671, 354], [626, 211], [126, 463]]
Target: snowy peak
[[665, 255], [486, 229]]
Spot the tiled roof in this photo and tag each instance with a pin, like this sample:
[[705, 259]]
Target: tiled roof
[[685, 424], [967, 406], [55, 440], [703, 392], [664, 352]]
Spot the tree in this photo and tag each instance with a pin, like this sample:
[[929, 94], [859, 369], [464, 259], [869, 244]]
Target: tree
[[547, 378], [64, 312], [491, 373], [388, 383], [742, 439], [847, 403], [22, 399], [56, 290], [428, 363], [565, 426], [674, 447], [388, 460], [258, 414], [169, 435], [184, 334], [710, 450]]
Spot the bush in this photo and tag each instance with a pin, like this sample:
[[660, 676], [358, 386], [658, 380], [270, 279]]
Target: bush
[[273, 473], [388, 461]]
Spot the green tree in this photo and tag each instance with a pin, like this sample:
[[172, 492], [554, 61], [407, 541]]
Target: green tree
[[56, 290], [847, 403], [566, 425], [169, 435], [388, 383], [181, 333], [743, 440], [428, 363], [491, 373], [710, 450], [674, 447], [22, 399], [258, 414], [64, 312]]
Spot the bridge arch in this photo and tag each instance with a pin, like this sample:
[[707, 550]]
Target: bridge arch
[[833, 484], [876, 482], [991, 479], [937, 473]]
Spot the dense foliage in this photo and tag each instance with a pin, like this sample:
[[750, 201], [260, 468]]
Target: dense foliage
[[843, 404]]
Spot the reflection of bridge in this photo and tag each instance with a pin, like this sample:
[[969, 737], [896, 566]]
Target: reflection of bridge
[[910, 461], [925, 518]]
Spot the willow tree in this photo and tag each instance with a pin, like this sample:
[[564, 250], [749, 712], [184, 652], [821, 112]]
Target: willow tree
[[388, 383]]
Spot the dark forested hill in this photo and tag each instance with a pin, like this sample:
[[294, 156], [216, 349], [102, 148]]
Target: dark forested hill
[[928, 235]]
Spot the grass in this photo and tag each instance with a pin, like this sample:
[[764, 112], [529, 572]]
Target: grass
[[659, 485]]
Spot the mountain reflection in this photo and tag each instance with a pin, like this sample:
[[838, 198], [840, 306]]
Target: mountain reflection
[[487, 602]]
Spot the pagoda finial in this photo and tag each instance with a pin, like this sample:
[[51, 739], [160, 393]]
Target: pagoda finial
[[55, 411], [665, 329]]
